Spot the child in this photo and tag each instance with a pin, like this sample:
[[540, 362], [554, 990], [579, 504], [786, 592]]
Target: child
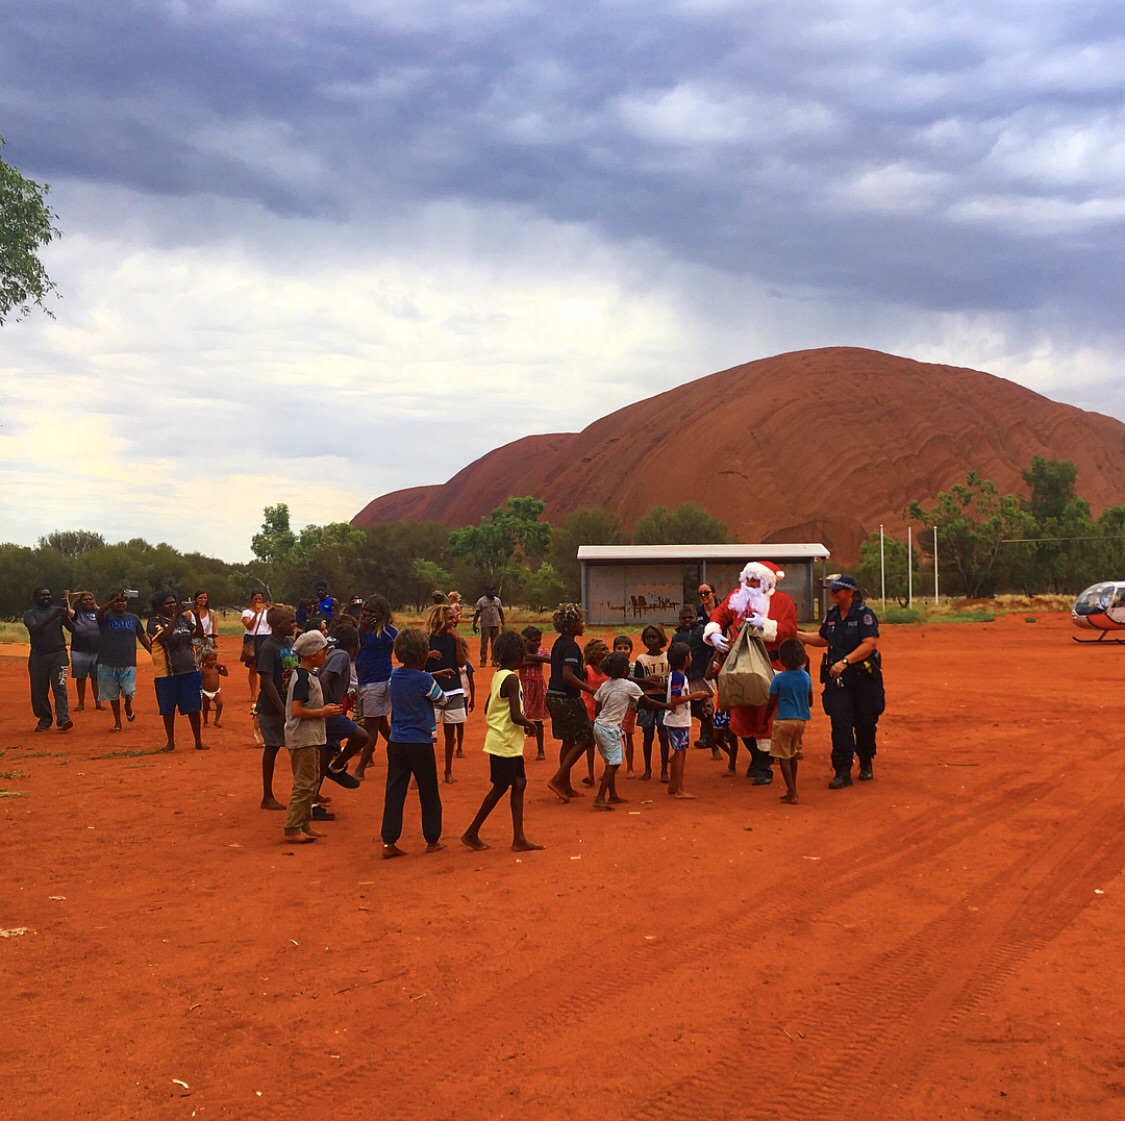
[[377, 636], [724, 739], [534, 684], [677, 723], [690, 631], [344, 737], [791, 701], [614, 699], [444, 663], [651, 672], [276, 662], [305, 714], [503, 743], [623, 644], [410, 750], [466, 675], [213, 673], [593, 654], [569, 722]]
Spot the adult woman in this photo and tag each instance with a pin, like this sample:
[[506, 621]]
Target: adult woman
[[179, 684], [707, 602], [84, 647], [255, 631], [208, 622], [852, 676]]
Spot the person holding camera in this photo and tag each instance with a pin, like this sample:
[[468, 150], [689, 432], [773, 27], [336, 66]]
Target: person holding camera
[[852, 675], [47, 661]]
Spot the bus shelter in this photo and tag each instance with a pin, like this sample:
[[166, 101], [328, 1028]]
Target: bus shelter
[[630, 585]]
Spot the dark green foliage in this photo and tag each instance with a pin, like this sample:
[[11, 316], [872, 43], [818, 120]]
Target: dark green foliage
[[26, 225]]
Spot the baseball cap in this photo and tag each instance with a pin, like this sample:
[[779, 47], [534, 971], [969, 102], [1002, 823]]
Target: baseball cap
[[309, 643], [841, 581]]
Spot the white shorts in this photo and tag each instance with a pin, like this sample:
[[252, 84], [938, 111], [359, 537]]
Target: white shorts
[[454, 712], [373, 700]]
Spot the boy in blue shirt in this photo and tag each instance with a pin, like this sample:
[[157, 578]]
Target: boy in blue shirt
[[410, 750], [790, 707]]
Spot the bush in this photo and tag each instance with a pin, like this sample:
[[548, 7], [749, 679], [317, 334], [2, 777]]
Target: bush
[[902, 615]]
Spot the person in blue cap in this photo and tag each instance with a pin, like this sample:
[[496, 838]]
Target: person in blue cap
[[852, 675]]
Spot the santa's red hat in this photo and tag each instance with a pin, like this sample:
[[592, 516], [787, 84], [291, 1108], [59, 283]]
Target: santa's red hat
[[766, 571]]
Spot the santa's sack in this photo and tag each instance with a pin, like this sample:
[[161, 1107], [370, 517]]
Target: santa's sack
[[746, 674]]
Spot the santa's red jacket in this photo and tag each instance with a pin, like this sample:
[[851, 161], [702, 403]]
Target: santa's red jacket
[[782, 615]]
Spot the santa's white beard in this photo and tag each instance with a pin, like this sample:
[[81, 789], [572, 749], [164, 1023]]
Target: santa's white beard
[[752, 604]]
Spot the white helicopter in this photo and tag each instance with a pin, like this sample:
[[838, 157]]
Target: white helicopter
[[1101, 607]]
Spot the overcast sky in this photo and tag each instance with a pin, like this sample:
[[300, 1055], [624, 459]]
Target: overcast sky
[[314, 253]]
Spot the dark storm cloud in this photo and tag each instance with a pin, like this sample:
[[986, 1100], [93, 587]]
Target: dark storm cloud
[[876, 150]]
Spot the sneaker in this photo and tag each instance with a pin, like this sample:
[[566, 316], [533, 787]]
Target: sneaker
[[342, 778], [839, 782], [319, 813], [762, 780], [66, 725], [865, 774]]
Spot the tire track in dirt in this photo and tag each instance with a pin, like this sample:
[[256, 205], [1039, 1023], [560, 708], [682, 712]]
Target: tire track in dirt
[[459, 1055], [886, 1021]]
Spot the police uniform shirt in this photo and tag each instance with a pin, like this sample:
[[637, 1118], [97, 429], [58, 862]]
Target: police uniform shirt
[[844, 635]]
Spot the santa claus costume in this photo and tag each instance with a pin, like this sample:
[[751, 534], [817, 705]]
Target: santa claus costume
[[757, 601]]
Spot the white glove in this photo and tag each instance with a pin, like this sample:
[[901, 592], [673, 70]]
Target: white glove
[[713, 634]]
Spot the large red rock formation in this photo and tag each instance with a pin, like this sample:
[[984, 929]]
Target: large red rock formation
[[816, 445]]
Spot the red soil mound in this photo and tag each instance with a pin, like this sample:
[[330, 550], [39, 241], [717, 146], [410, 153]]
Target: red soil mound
[[816, 445]]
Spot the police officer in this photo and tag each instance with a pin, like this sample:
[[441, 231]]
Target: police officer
[[852, 677]]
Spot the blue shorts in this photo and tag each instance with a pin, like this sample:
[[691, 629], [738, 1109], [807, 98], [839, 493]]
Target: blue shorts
[[339, 728], [608, 739], [678, 738], [115, 682], [83, 665], [650, 717], [183, 691]]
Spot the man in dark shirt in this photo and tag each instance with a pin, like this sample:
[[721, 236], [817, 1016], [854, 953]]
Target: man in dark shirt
[[47, 663]]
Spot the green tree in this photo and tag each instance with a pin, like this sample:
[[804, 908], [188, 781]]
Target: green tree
[[506, 538], [894, 569], [543, 588], [276, 537], [973, 521], [588, 525], [72, 543], [428, 577], [1051, 482], [26, 226], [688, 524]]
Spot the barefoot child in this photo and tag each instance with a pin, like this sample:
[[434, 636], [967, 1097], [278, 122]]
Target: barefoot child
[[444, 665], [276, 663], [651, 672], [791, 701], [623, 644], [377, 636], [213, 673], [614, 699], [305, 715], [593, 654], [503, 743], [725, 739], [677, 723], [410, 750], [569, 722], [534, 684]]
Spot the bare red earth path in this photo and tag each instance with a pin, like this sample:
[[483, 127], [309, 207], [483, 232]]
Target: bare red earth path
[[944, 942]]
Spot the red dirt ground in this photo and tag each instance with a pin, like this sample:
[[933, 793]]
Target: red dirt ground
[[944, 942]]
